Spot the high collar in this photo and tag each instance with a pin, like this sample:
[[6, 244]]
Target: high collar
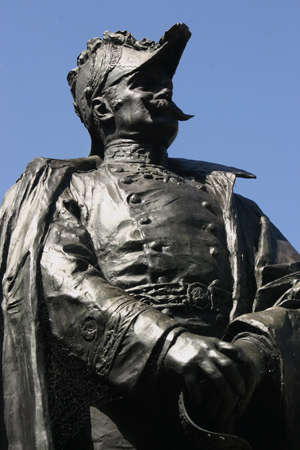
[[124, 151]]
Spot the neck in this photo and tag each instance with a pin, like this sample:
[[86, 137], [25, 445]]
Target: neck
[[126, 150]]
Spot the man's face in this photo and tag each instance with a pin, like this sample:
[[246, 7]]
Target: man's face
[[142, 107]]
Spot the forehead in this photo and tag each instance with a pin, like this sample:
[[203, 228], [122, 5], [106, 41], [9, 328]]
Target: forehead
[[153, 71], [152, 74]]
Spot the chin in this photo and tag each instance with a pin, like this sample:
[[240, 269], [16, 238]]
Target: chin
[[165, 126], [166, 131], [158, 130]]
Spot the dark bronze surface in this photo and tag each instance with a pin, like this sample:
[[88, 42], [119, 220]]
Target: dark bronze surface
[[144, 304]]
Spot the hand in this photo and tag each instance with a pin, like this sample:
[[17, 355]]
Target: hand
[[259, 357], [215, 374]]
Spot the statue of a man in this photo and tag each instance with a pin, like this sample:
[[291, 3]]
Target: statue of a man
[[143, 301]]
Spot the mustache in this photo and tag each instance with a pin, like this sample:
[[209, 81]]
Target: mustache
[[160, 104], [178, 113]]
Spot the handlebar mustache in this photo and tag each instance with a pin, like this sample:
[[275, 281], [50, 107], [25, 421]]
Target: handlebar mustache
[[164, 104]]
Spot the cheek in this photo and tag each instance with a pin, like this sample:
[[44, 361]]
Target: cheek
[[134, 109]]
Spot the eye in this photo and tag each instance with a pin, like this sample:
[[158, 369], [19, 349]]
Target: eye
[[168, 85], [142, 81], [138, 82]]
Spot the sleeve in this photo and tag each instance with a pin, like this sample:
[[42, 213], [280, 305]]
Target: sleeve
[[274, 266], [270, 266], [273, 321], [102, 325]]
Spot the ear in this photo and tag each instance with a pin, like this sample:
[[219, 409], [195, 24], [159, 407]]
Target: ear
[[101, 108]]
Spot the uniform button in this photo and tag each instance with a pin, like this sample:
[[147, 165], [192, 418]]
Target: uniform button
[[136, 234], [145, 220], [127, 180], [134, 199], [162, 280], [168, 312], [214, 251], [206, 205], [211, 227], [155, 245], [217, 283]]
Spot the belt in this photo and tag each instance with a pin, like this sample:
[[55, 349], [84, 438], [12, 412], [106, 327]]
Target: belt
[[182, 296]]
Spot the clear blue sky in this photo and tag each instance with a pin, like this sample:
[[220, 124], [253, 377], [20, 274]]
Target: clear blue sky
[[239, 75]]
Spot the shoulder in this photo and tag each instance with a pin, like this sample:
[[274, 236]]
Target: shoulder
[[77, 164], [32, 181], [204, 168]]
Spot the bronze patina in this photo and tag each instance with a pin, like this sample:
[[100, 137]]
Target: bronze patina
[[144, 304]]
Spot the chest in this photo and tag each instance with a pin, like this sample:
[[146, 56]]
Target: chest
[[149, 222], [151, 200]]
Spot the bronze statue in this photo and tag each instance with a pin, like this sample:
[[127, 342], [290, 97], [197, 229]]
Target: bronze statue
[[145, 306]]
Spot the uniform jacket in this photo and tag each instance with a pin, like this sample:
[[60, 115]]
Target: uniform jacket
[[104, 327]]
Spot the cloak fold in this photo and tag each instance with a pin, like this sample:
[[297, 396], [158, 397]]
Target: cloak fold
[[265, 270]]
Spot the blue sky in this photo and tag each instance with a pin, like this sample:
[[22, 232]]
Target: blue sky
[[239, 75]]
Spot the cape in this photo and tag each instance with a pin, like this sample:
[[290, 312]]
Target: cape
[[266, 290]]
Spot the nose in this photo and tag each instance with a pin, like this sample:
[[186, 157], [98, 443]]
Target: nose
[[164, 93]]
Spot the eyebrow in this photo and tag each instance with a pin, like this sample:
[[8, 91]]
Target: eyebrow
[[150, 76]]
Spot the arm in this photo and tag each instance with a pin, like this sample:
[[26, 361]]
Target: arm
[[99, 323], [267, 323], [112, 332]]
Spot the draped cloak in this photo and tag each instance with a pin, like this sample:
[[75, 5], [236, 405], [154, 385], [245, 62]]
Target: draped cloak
[[265, 271]]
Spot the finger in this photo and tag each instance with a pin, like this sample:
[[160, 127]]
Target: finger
[[194, 387], [221, 384], [230, 371], [246, 367], [233, 375], [235, 352]]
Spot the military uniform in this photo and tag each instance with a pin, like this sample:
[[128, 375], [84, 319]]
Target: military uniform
[[120, 264]]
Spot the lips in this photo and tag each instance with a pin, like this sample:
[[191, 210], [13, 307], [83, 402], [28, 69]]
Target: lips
[[162, 104]]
